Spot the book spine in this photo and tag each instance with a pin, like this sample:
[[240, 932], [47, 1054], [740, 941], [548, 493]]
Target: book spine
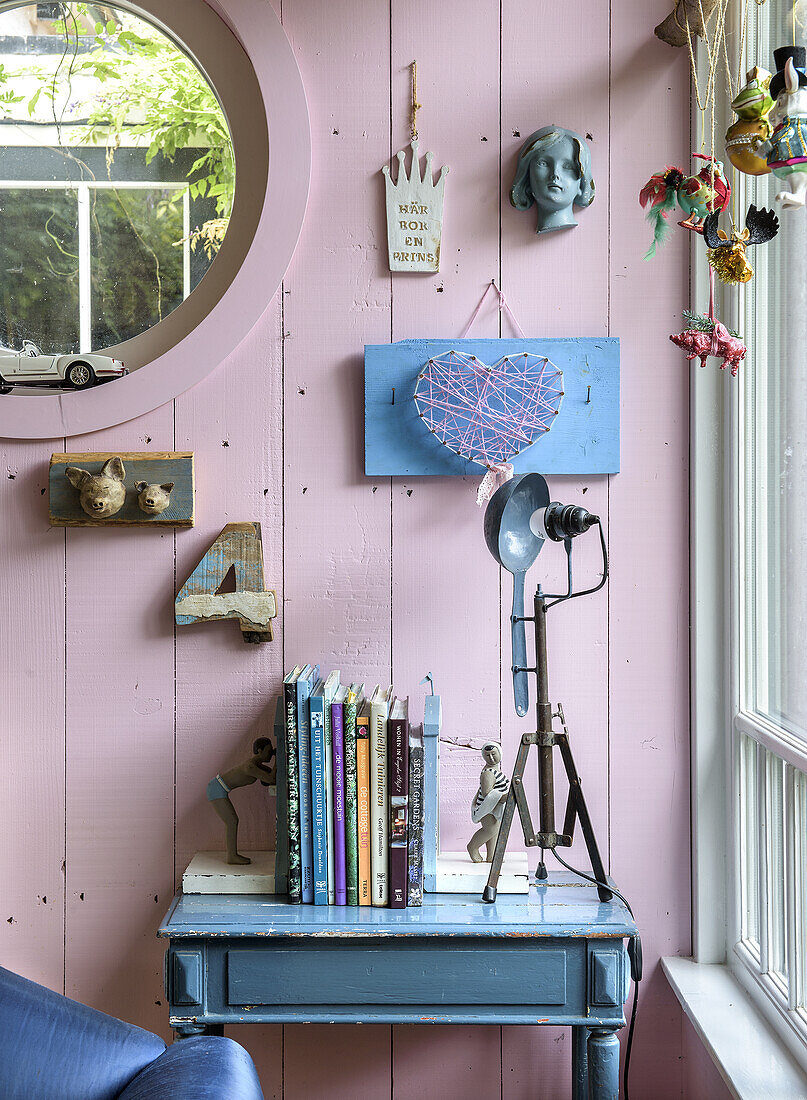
[[398, 778], [351, 822], [363, 811], [304, 781], [379, 806], [329, 814], [281, 800], [415, 862], [338, 741], [292, 793], [319, 804]]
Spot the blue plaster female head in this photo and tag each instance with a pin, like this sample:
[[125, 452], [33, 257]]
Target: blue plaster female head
[[554, 172]]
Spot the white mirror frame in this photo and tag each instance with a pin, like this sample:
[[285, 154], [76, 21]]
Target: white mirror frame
[[242, 49]]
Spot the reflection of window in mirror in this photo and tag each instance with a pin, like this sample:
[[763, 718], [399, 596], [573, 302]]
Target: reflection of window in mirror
[[116, 186]]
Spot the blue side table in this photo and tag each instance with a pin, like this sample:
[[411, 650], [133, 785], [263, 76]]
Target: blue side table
[[556, 956]]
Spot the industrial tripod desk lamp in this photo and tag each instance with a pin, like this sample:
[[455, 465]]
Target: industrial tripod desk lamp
[[518, 520]]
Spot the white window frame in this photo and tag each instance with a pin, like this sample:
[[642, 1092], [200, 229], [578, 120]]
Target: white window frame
[[82, 189], [718, 720]]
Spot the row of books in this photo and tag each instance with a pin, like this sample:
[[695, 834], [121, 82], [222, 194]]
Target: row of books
[[354, 793]]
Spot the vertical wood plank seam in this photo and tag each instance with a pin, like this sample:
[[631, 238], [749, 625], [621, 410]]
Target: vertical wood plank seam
[[283, 561], [176, 670], [282, 550], [391, 337], [391, 525], [690, 677], [64, 763], [608, 481], [501, 199]]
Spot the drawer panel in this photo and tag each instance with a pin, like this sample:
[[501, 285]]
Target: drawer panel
[[339, 973]]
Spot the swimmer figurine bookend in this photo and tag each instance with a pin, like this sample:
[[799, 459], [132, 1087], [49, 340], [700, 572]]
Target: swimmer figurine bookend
[[554, 173], [236, 870], [242, 775]]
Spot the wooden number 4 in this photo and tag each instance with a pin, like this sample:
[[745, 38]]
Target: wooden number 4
[[239, 548]]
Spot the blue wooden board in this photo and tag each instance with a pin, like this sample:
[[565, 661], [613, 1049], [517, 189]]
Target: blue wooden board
[[347, 973], [584, 438]]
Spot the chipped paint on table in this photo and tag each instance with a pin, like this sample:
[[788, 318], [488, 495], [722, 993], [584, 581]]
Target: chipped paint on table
[[557, 956]]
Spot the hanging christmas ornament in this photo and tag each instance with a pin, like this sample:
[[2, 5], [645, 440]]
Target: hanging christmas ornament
[[414, 206], [706, 193], [786, 149], [752, 105], [727, 253], [706, 337]]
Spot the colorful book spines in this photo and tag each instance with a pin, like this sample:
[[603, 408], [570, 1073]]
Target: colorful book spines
[[330, 688], [363, 807], [304, 683], [398, 778], [379, 796], [319, 819], [292, 785], [338, 742], [351, 809], [416, 816], [281, 803], [355, 795]]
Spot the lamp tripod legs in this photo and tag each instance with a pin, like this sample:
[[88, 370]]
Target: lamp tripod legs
[[576, 809]]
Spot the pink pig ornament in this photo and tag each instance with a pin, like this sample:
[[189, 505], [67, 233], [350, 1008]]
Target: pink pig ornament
[[719, 342]]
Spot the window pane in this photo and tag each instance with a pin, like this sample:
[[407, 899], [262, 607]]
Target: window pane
[[39, 281], [137, 254], [800, 842], [774, 436], [777, 929], [749, 836], [105, 107]]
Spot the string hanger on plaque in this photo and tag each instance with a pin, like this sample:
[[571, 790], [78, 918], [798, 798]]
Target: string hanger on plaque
[[414, 204]]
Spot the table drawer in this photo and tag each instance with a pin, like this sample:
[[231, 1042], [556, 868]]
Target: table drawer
[[419, 972]]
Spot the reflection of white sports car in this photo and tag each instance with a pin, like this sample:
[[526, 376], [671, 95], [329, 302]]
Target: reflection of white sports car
[[30, 367]]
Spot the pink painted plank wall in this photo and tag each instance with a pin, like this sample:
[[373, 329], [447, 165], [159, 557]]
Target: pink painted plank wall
[[112, 721]]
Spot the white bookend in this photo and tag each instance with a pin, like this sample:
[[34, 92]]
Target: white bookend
[[379, 797], [456, 874], [210, 873]]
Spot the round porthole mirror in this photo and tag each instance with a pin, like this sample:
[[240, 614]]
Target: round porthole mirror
[[141, 230]]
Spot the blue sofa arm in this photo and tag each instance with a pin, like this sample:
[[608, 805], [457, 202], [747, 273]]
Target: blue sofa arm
[[52, 1048], [203, 1067]]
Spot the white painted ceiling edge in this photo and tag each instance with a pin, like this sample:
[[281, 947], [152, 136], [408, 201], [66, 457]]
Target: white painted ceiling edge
[[263, 98]]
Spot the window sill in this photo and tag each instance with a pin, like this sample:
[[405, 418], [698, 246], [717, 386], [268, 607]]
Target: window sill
[[751, 1059]]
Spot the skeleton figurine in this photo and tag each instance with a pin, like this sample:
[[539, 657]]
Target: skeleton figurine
[[487, 807]]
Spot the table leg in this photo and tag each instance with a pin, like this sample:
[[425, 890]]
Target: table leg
[[579, 1063], [603, 1064]]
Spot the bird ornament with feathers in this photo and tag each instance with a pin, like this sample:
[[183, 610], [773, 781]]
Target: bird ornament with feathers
[[727, 253], [706, 193]]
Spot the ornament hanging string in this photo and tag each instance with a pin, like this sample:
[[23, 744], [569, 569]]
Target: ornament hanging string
[[415, 105], [503, 308]]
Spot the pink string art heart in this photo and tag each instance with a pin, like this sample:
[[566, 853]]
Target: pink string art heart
[[488, 414]]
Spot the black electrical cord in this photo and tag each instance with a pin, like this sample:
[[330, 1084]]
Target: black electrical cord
[[635, 956]]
